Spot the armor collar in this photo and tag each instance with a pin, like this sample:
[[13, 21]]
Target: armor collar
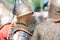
[[21, 24], [24, 28]]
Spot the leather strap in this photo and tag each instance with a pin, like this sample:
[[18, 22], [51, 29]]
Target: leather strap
[[4, 25]]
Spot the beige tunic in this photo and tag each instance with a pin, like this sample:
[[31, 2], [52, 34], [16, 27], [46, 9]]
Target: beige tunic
[[47, 30]]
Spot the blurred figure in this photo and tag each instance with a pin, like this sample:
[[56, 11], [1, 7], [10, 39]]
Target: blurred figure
[[6, 17], [41, 16], [49, 29]]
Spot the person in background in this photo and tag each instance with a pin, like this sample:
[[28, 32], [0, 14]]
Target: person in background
[[6, 17], [49, 29], [41, 16]]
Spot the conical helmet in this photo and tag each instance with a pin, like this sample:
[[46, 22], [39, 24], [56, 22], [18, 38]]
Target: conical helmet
[[54, 10], [23, 9]]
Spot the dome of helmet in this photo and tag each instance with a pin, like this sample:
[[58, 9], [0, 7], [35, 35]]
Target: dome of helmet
[[23, 9], [54, 10]]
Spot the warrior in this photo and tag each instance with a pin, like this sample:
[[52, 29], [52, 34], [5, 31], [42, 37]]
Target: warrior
[[25, 24], [49, 29]]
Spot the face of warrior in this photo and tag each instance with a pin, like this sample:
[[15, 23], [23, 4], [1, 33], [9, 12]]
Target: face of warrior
[[30, 18]]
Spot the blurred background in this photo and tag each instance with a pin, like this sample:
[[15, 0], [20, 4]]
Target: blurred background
[[36, 5], [39, 7]]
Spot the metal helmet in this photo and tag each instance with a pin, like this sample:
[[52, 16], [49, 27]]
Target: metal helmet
[[23, 9], [54, 10]]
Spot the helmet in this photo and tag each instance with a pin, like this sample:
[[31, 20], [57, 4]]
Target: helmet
[[23, 9], [54, 10]]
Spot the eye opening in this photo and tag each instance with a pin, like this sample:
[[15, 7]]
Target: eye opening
[[31, 13]]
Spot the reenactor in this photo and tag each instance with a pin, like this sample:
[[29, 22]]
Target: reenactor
[[25, 24], [49, 29]]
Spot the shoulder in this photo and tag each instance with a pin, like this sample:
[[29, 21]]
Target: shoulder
[[44, 26]]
